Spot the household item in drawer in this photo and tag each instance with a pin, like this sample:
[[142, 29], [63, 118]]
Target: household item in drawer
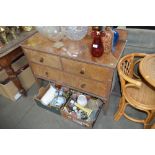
[[83, 115], [49, 95], [54, 101], [82, 100]]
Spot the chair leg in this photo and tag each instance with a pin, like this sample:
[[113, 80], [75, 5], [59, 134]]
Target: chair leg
[[121, 108], [149, 118]]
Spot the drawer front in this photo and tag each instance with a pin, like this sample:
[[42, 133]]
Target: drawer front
[[70, 79], [98, 88], [46, 72], [87, 70], [43, 58]]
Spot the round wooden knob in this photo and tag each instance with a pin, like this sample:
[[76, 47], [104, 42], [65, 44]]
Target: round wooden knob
[[83, 85], [82, 71], [46, 73], [41, 60]]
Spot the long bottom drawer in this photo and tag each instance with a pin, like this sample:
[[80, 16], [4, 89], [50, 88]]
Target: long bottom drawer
[[90, 86]]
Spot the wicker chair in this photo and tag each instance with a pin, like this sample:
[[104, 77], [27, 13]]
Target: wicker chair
[[135, 91], [153, 126]]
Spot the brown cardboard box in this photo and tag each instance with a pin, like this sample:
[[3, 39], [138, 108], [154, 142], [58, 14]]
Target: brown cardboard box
[[26, 78], [10, 91], [3, 75]]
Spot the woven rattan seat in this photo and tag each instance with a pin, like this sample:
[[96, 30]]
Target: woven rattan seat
[[144, 96]]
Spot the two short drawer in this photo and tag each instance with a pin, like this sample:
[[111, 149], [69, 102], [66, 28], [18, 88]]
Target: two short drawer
[[90, 71]]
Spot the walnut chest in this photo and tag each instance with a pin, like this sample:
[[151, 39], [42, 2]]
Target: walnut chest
[[84, 73]]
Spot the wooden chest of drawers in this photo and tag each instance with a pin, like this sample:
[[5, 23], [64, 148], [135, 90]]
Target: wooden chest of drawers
[[84, 73]]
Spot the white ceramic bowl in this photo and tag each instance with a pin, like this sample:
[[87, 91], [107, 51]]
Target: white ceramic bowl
[[82, 100]]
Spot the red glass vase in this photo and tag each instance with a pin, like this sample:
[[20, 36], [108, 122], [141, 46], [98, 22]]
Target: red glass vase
[[97, 47]]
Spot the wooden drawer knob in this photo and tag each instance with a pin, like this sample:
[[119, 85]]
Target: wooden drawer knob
[[41, 60], [83, 85], [82, 71], [46, 73]]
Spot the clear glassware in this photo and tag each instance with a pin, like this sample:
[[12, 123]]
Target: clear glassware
[[53, 33], [75, 34]]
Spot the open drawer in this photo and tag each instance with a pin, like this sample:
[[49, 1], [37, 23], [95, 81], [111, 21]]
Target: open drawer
[[51, 107], [85, 116]]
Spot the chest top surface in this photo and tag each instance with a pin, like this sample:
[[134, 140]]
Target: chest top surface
[[42, 44]]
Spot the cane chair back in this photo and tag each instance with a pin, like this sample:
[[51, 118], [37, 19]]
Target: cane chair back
[[126, 70]]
